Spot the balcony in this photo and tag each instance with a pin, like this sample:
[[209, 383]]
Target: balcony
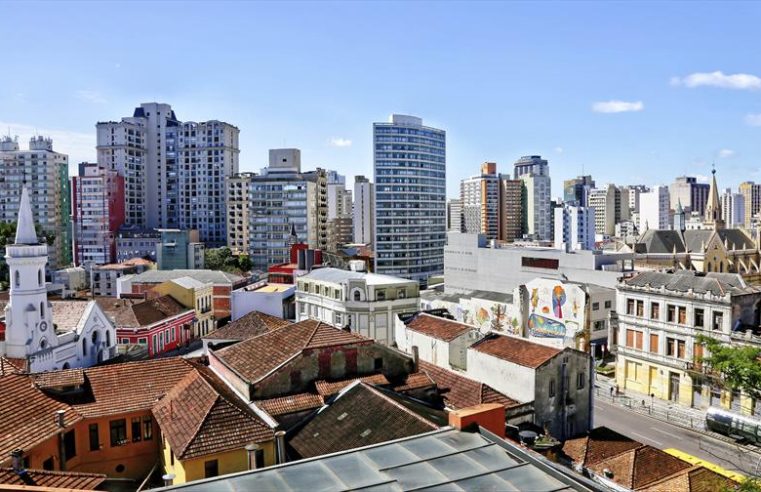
[[665, 360]]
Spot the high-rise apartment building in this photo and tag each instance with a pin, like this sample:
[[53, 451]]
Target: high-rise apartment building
[[454, 215], [611, 204], [410, 198], [733, 208], [175, 172], [364, 210], [480, 202], [511, 201], [751, 193], [574, 227], [535, 174], [576, 190], [654, 209], [285, 206], [634, 191], [339, 212], [691, 194], [97, 214], [46, 175], [238, 205]]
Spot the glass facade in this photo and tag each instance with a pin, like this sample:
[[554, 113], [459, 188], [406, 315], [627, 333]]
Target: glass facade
[[410, 198]]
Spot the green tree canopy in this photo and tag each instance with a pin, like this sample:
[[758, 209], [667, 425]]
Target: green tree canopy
[[223, 259], [739, 366]]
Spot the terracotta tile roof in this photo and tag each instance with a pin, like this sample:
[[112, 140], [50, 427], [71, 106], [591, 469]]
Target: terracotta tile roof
[[52, 479], [599, 444], [256, 357], [198, 419], [251, 325], [290, 404], [134, 313], [28, 414], [695, 479], [415, 380], [640, 467], [131, 386], [68, 314], [516, 350], [359, 416], [57, 379], [10, 365], [437, 327], [459, 391]]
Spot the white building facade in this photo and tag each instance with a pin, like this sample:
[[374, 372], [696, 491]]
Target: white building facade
[[364, 210], [654, 209], [574, 227], [535, 174]]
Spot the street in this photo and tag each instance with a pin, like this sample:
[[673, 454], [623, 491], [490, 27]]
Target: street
[[662, 435]]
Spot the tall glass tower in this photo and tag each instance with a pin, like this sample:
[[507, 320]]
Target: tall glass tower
[[410, 198]]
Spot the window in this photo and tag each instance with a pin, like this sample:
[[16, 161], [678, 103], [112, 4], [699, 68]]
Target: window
[[69, 445], [718, 320], [259, 458], [634, 339], [699, 318], [682, 315], [380, 295], [670, 313], [552, 388], [147, 428], [548, 263], [94, 438], [630, 306], [675, 348], [48, 464], [655, 311], [17, 279], [378, 363], [118, 432], [640, 308], [607, 304], [654, 343], [84, 346], [357, 295], [210, 468], [580, 380], [401, 293], [595, 306], [39, 277], [136, 432]]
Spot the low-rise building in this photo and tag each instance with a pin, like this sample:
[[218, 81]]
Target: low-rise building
[[72, 279], [179, 250], [660, 317], [249, 326], [104, 278], [133, 242], [440, 341], [366, 303], [265, 297], [194, 295]]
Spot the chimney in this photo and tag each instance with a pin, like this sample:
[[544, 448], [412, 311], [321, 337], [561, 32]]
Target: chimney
[[168, 479], [251, 450], [280, 446], [59, 414], [17, 458], [490, 416], [415, 358]]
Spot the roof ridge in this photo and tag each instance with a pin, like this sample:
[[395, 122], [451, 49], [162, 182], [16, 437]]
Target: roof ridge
[[194, 435], [311, 337], [395, 403]]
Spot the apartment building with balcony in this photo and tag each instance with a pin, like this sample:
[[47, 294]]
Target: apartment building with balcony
[[237, 196], [661, 315]]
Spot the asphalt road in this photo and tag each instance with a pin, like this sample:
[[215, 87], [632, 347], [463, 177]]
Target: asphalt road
[[663, 435]]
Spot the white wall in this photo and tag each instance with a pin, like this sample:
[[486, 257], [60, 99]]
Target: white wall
[[244, 302], [429, 349], [515, 381]]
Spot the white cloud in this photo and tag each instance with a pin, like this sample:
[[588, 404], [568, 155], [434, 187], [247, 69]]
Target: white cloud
[[615, 106], [91, 97], [79, 146], [726, 153], [739, 81], [340, 142], [753, 119], [559, 150]]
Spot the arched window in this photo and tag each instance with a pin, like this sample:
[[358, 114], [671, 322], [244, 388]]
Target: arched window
[[84, 346], [357, 295], [42, 309], [17, 279], [66, 365], [95, 337], [721, 267], [43, 344], [39, 277]]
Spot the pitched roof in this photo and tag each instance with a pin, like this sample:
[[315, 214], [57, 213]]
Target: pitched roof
[[52, 479], [639, 467], [251, 325], [131, 386], [459, 391], [599, 444], [437, 327], [68, 314], [9, 365], [339, 276], [717, 284], [359, 416], [134, 313], [256, 357], [290, 404], [58, 379], [415, 380], [199, 416], [695, 479], [189, 282], [516, 350], [28, 414], [204, 276]]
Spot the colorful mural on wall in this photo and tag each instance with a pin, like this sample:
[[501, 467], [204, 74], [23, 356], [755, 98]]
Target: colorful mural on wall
[[484, 314], [555, 311]]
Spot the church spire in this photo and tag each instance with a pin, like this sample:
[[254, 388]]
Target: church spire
[[25, 233], [713, 206]]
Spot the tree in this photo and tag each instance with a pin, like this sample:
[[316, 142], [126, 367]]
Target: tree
[[750, 484], [223, 259], [738, 366]]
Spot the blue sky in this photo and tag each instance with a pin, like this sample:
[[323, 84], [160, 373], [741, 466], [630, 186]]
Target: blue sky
[[503, 79]]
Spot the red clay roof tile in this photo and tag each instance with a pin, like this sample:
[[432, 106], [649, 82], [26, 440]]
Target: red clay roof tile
[[438, 327], [516, 350]]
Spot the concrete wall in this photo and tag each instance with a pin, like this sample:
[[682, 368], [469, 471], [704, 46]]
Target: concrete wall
[[244, 302], [568, 411], [515, 381]]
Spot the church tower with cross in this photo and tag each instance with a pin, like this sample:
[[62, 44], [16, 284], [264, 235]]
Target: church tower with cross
[[713, 217]]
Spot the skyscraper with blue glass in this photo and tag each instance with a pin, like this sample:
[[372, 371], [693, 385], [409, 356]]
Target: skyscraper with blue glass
[[410, 198]]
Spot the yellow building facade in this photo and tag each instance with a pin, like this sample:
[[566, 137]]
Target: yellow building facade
[[195, 295]]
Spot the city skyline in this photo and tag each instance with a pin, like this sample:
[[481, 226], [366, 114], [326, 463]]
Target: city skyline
[[604, 94]]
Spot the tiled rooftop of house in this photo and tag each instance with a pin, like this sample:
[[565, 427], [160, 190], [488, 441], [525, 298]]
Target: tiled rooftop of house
[[359, 416], [249, 326], [216, 277], [516, 350], [9, 365], [695, 479], [199, 416], [134, 313], [52, 479], [290, 404], [438, 327], [599, 444], [413, 381], [639, 467], [68, 314], [59, 379], [718, 284], [459, 391], [254, 358]]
